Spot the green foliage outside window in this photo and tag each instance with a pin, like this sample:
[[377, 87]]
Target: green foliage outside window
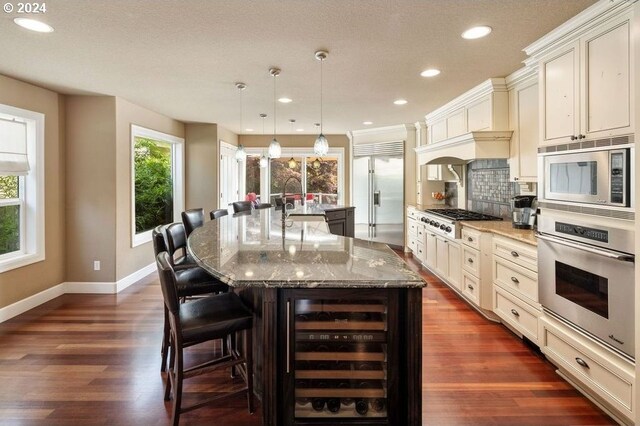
[[9, 216], [153, 184]]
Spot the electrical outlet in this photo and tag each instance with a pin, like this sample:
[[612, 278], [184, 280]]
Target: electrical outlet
[[96, 265]]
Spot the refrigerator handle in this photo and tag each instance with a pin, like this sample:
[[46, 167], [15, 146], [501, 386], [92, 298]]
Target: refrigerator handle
[[376, 198]]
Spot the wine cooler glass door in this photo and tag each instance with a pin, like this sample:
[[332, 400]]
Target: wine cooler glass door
[[340, 358]]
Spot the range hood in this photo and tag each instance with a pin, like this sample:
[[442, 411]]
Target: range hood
[[465, 148]]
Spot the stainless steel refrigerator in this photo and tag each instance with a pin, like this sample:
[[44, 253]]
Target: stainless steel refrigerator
[[378, 192]]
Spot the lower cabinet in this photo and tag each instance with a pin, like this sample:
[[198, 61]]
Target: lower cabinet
[[519, 315], [431, 247], [341, 221], [592, 367]]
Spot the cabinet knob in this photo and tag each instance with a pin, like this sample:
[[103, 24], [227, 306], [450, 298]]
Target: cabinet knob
[[515, 178], [573, 138], [515, 280], [582, 362], [581, 136], [515, 254], [515, 313], [470, 239], [470, 287], [470, 260]]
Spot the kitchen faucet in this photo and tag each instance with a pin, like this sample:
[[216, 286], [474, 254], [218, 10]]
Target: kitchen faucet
[[284, 198]]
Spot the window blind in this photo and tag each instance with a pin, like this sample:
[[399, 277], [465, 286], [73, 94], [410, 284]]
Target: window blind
[[13, 148]]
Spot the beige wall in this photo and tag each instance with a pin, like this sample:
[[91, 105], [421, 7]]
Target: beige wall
[[21, 283], [201, 166], [304, 141], [130, 259], [91, 188]]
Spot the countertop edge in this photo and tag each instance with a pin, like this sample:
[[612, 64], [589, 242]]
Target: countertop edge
[[528, 236]]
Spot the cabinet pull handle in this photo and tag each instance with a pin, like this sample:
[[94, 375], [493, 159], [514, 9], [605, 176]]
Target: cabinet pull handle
[[470, 260], [515, 280], [433, 235], [470, 239], [514, 253], [288, 335], [573, 138], [581, 362], [515, 313], [470, 287]]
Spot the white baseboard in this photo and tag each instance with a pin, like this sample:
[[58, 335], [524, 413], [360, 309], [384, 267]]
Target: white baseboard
[[44, 296], [30, 302]]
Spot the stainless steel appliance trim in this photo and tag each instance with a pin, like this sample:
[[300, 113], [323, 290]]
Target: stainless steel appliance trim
[[599, 251], [383, 148], [575, 208]]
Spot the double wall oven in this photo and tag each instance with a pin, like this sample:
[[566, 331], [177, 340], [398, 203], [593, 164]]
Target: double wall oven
[[586, 255]]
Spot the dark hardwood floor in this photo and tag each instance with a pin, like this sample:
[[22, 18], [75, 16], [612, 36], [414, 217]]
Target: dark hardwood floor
[[94, 360]]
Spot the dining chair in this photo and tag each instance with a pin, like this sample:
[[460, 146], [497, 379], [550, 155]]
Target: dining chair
[[190, 281], [216, 214], [192, 219], [242, 206], [199, 321]]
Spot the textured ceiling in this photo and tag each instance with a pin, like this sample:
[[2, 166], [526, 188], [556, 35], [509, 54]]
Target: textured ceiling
[[181, 58]]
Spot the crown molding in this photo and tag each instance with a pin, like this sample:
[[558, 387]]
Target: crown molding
[[523, 75], [483, 89], [388, 133]]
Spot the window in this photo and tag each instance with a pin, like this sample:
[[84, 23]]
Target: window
[[319, 180], [21, 187], [157, 181]]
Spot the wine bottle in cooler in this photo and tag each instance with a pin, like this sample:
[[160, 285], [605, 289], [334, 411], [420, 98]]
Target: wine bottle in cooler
[[362, 406], [333, 405], [378, 404]]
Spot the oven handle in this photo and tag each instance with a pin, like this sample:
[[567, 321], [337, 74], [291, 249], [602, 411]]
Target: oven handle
[[598, 251]]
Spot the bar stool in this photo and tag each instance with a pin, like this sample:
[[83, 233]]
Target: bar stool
[[190, 281], [192, 219], [176, 239], [242, 206], [263, 206], [199, 321], [216, 214]]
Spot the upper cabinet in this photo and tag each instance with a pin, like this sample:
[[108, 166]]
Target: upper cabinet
[[484, 108], [585, 76], [523, 120]]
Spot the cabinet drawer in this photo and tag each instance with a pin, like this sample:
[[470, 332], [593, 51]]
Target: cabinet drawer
[[412, 228], [335, 215], [471, 287], [420, 232], [516, 313], [420, 253], [412, 213], [413, 245], [600, 370], [521, 281], [471, 238], [471, 260], [521, 254]]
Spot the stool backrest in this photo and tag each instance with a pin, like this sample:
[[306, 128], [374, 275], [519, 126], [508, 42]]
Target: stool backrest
[[242, 206], [159, 240], [168, 282], [176, 239], [216, 214], [192, 219]]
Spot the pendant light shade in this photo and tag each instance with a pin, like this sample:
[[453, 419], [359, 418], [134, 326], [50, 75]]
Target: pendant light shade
[[292, 163], [274, 147], [321, 145], [264, 161], [241, 153], [316, 163]]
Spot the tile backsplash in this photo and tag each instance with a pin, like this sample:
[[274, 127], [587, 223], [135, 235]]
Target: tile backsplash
[[488, 189]]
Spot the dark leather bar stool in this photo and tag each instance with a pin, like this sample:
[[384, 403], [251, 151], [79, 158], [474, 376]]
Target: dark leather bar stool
[[176, 238], [242, 206], [216, 214], [190, 281], [192, 219], [263, 206], [199, 321]]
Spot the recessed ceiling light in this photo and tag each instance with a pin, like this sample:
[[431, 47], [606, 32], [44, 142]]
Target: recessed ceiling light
[[431, 72], [284, 100], [476, 32], [33, 25], [248, 130], [299, 130], [367, 123], [400, 101]]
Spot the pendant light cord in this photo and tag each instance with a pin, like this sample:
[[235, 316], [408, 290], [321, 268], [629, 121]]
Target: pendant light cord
[[274, 106], [321, 120]]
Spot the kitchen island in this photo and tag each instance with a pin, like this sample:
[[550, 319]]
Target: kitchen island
[[338, 321]]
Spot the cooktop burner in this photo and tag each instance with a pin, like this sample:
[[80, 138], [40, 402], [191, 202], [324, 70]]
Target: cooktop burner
[[461, 214]]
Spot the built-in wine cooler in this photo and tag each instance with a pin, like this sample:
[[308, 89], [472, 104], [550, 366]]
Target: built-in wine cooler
[[339, 359]]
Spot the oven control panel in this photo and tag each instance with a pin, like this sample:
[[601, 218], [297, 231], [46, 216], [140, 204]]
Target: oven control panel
[[594, 234]]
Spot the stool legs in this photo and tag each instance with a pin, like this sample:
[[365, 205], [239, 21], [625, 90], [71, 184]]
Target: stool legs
[[164, 351], [248, 347]]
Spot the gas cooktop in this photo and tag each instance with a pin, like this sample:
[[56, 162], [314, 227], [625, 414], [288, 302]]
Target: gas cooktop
[[461, 214]]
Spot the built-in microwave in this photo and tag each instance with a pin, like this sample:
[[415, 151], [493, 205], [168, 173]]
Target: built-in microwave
[[600, 176]]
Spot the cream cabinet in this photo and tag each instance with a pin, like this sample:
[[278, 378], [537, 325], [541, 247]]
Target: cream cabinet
[[447, 262], [585, 86], [523, 120], [431, 248], [476, 270], [599, 372], [515, 286]]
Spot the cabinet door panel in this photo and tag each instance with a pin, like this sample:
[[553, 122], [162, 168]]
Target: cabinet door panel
[[442, 257], [431, 251], [608, 80], [438, 131], [456, 124], [479, 116], [560, 96], [528, 132], [455, 267]]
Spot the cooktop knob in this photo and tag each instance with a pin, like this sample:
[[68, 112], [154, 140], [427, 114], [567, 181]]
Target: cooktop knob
[[443, 226], [448, 229], [436, 224]]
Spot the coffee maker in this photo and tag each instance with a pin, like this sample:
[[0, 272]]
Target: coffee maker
[[523, 211]]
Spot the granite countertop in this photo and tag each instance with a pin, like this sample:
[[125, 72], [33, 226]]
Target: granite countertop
[[312, 209], [251, 250], [503, 228]]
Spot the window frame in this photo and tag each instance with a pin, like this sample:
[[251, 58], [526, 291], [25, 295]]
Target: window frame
[[177, 171], [31, 193], [265, 173]]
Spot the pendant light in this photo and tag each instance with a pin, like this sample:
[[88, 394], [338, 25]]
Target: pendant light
[[274, 147], [264, 161], [321, 145], [292, 162], [241, 153]]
